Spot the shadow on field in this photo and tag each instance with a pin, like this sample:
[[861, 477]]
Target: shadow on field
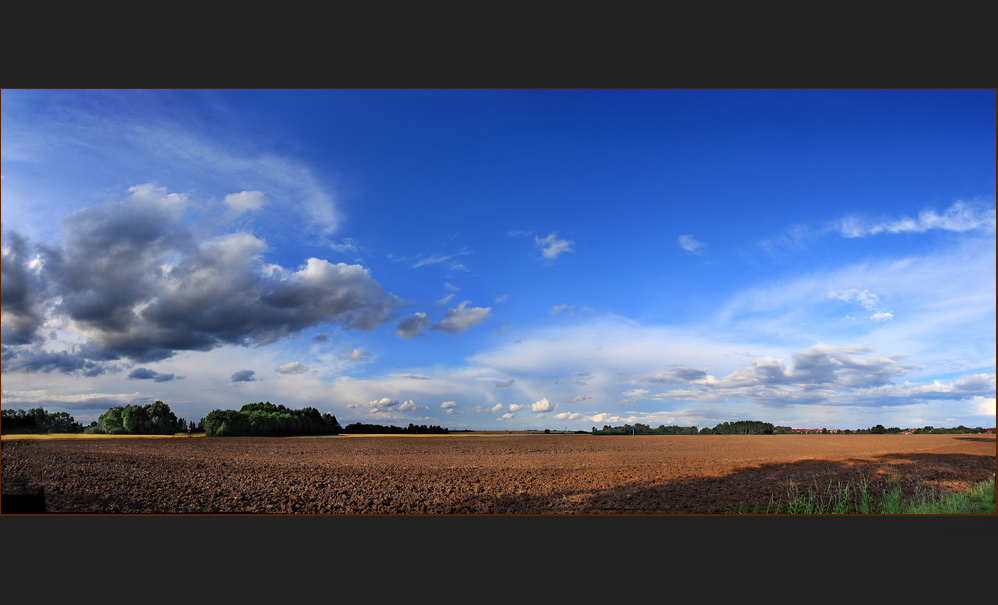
[[981, 439], [759, 489]]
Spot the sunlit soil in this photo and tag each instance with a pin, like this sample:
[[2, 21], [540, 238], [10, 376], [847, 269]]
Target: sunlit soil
[[475, 474]]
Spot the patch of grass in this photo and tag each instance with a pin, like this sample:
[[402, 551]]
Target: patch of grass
[[980, 500], [886, 499]]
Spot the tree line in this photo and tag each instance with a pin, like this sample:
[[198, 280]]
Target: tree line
[[151, 419], [360, 428], [755, 427], [267, 419], [643, 429], [37, 420], [741, 427]]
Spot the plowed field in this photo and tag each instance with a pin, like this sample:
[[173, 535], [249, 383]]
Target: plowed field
[[476, 474]]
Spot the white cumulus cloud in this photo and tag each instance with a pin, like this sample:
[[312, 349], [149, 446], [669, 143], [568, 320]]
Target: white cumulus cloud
[[541, 406], [245, 201], [294, 367], [551, 247]]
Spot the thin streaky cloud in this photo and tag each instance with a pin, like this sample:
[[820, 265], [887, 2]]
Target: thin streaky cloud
[[959, 217]]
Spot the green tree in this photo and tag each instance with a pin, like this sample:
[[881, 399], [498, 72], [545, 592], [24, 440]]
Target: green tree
[[135, 420], [111, 421]]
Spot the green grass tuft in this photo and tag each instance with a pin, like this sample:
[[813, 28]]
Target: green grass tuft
[[863, 500]]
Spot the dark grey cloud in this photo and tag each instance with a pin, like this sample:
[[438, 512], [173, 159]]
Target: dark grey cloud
[[243, 376], [413, 325], [147, 374], [502, 385], [34, 359], [21, 319], [675, 375], [142, 285], [821, 367], [825, 366]]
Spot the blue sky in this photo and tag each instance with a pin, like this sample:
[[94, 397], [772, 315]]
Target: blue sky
[[502, 259]]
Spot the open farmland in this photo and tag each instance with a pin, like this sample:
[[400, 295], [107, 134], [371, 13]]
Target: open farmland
[[475, 474]]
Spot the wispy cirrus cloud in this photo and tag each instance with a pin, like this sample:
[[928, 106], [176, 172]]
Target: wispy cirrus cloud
[[868, 300], [123, 143], [960, 216], [436, 259], [690, 244], [569, 309]]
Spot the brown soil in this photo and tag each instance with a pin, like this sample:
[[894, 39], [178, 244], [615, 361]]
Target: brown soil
[[493, 474]]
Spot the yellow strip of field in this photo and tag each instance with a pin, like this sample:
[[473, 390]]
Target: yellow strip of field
[[454, 434]]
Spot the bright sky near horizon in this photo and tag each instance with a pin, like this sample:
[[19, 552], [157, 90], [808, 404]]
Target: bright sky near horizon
[[504, 259]]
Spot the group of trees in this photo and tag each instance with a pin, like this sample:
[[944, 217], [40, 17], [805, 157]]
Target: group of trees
[[745, 427], [956, 430], [37, 420], [360, 428], [150, 419], [643, 429], [269, 420]]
